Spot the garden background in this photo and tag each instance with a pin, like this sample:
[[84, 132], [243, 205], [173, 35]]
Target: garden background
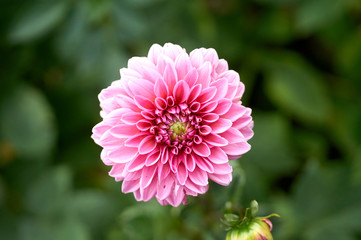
[[300, 61]]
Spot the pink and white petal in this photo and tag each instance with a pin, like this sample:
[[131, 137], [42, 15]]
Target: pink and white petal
[[124, 131], [142, 88], [204, 74], [122, 154], [161, 88], [236, 111], [222, 86], [163, 171], [137, 163], [182, 173], [196, 58], [210, 117], [153, 158], [164, 188], [182, 65], [233, 136], [118, 171], [201, 149], [181, 91], [143, 103], [222, 169], [135, 140], [218, 156], [222, 66], [170, 76], [131, 117], [223, 106], [237, 148], [150, 191], [199, 177], [144, 125], [206, 95], [204, 164], [191, 77], [215, 140], [130, 186], [147, 145], [154, 52], [221, 125], [208, 107], [224, 179], [147, 176], [190, 162], [194, 93]]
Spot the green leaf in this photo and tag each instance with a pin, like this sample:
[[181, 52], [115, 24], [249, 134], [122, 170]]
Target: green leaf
[[49, 193], [325, 204], [314, 14], [27, 123], [37, 20], [271, 150], [298, 89]]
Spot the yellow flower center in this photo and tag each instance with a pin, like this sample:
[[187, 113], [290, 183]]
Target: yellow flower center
[[178, 128]]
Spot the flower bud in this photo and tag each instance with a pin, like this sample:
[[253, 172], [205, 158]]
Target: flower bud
[[249, 227]]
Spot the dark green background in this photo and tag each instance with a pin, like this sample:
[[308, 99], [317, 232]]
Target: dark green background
[[299, 59]]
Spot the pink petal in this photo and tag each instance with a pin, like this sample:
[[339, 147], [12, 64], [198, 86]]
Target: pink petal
[[208, 107], [233, 136], [170, 76], [210, 117], [150, 191], [223, 106], [221, 125], [144, 125], [195, 187], [194, 93], [182, 173], [130, 186], [190, 162], [147, 175], [204, 73], [205, 130], [160, 103], [147, 145], [143, 103], [182, 65], [215, 140], [163, 171], [224, 179], [154, 52], [124, 131], [222, 169], [218, 156], [236, 111], [153, 158], [135, 140], [137, 163], [118, 171], [196, 58], [192, 77], [131, 117], [161, 89], [221, 85], [123, 154], [204, 164], [142, 88], [201, 149], [164, 188], [237, 148], [207, 94], [181, 91], [199, 177]]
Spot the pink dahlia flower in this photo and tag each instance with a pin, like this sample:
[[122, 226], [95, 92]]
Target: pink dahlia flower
[[172, 122]]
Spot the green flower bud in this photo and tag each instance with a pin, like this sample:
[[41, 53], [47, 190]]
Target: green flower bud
[[249, 227]]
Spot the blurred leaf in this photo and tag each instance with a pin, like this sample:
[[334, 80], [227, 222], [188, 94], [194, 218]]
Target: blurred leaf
[[271, 150], [325, 204], [297, 88], [49, 193], [91, 206], [27, 123], [314, 14], [37, 20], [55, 229]]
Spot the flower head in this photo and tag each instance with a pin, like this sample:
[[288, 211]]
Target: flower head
[[172, 122]]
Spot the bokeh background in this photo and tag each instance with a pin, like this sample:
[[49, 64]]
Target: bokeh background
[[299, 59]]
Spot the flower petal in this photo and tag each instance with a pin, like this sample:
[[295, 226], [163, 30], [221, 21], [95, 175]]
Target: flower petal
[[201, 149], [147, 145]]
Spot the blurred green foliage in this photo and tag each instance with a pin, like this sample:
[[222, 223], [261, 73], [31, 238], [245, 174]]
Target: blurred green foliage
[[299, 59]]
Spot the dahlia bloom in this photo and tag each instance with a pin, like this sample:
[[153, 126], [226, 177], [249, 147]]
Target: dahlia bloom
[[172, 122]]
